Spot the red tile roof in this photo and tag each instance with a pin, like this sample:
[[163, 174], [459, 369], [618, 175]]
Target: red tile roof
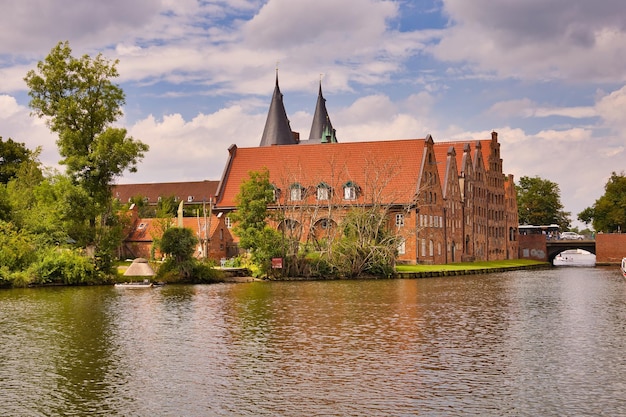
[[146, 230], [198, 190], [395, 163]]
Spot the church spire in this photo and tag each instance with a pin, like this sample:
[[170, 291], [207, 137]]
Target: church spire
[[277, 129], [322, 129]]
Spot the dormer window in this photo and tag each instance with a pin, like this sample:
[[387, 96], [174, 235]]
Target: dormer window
[[275, 193], [350, 191], [296, 192], [323, 191], [189, 198]]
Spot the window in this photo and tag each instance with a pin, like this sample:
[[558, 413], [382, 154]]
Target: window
[[399, 219], [189, 198], [296, 194], [349, 191], [323, 191], [402, 247], [275, 193], [228, 222], [431, 248]]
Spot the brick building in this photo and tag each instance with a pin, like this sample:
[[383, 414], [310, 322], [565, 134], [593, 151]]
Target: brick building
[[448, 201]]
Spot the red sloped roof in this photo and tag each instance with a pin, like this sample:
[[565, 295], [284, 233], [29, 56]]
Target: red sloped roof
[[199, 190], [390, 166], [146, 229]]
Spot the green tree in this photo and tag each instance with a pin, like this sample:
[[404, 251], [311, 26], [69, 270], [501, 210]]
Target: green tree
[[80, 104], [608, 213], [12, 155], [252, 220], [179, 243], [539, 203]]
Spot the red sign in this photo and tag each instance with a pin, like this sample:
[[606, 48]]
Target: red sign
[[277, 263]]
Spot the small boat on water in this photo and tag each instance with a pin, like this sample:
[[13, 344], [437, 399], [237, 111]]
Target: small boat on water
[[135, 284], [623, 267], [575, 257]]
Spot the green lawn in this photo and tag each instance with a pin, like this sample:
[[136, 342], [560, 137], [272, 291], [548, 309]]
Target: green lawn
[[464, 266]]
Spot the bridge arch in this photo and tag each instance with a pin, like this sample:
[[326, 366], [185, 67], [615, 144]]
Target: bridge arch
[[554, 247]]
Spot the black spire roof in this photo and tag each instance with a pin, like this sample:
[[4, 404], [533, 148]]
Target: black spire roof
[[322, 129], [277, 129]]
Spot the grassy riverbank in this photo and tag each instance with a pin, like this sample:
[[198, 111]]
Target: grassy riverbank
[[464, 268]]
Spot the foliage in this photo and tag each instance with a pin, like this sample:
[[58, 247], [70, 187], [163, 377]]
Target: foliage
[[12, 155], [179, 244], [17, 249], [64, 266], [5, 204], [539, 203], [608, 213], [252, 221], [191, 270], [367, 245], [80, 103]]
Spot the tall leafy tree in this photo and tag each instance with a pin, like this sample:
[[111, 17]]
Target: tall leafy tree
[[608, 213], [80, 104], [252, 220], [539, 202]]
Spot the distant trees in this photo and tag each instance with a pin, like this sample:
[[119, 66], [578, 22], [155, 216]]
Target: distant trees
[[539, 203], [608, 213]]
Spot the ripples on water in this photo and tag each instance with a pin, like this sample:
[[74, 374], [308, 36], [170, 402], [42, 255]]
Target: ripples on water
[[547, 343]]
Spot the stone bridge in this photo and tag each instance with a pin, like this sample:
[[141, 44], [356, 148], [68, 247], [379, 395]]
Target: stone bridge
[[554, 247]]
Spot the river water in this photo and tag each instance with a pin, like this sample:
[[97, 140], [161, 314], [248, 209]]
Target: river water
[[521, 343]]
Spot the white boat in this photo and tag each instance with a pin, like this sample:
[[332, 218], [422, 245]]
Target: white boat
[[134, 284], [623, 267], [575, 257]]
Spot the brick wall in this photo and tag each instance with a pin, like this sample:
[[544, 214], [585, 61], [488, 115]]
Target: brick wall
[[610, 247], [533, 247]]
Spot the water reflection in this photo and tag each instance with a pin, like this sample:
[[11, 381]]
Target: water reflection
[[520, 343]]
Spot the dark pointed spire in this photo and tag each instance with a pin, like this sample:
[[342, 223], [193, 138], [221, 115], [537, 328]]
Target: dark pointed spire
[[277, 130], [322, 129]]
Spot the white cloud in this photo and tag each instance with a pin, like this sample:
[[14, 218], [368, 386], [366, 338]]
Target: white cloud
[[192, 150], [561, 39]]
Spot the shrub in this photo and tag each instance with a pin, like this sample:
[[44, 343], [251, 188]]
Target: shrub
[[64, 266]]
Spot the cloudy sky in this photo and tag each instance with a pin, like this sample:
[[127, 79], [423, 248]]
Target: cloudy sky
[[548, 75]]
